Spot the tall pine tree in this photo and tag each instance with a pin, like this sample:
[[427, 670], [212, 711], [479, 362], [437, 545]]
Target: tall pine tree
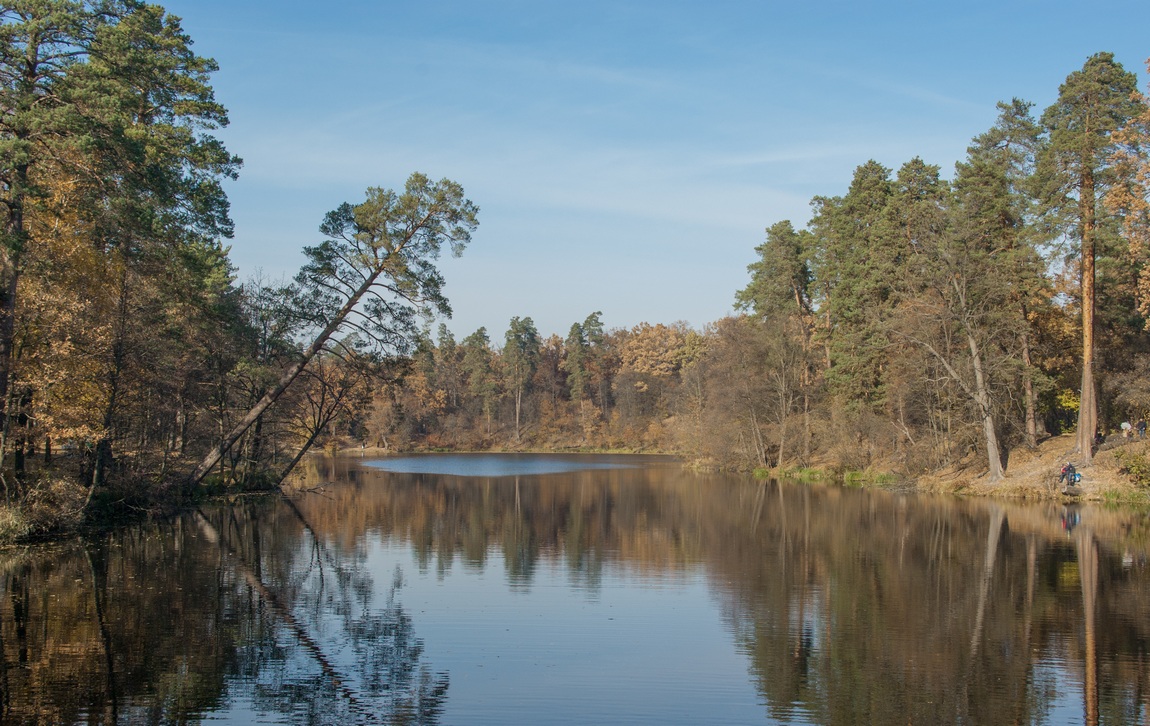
[[1076, 169]]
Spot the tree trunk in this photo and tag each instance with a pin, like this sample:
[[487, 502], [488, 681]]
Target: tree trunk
[[808, 384], [103, 452], [251, 458], [518, 405], [319, 424], [285, 380], [1088, 402], [181, 442], [782, 432], [1031, 401], [757, 438], [983, 398], [298, 457], [10, 267], [7, 331]]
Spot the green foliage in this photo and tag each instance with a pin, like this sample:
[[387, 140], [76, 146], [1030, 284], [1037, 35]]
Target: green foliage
[[478, 366], [911, 318], [575, 362], [1092, 104], [520, 357], [854, 268], [853, 478], [1076, 169], [807, 474], [1126, 499], [521, 350], [375, 270], [781, 278], [105, 140]]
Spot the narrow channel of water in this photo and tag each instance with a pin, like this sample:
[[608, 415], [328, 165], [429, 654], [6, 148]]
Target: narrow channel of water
[[571, 590]]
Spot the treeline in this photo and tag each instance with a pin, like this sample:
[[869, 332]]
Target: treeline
[[133, 367], [594, 389], [916, 321]]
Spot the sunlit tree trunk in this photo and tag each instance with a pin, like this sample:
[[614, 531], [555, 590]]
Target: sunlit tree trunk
[[1088, 404]]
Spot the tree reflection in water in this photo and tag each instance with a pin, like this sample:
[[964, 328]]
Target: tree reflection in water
[[843, 606], [230, 608], [854, 607], [368, 657]]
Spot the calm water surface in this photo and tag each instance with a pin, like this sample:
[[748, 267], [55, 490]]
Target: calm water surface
[[479, 589]]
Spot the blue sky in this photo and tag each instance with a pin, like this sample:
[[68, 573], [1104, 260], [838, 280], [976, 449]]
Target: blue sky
[[626, 156]]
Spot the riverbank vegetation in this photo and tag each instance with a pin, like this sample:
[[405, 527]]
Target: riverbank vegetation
[[916, 323]]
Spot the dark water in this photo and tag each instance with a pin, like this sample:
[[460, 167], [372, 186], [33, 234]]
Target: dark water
[[578, 590]]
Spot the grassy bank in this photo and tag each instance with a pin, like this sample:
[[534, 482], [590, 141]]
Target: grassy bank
[[1120, 474]]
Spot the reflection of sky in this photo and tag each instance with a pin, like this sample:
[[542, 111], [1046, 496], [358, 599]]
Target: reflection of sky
[[1056, 677], [493, 465], [638, 649]]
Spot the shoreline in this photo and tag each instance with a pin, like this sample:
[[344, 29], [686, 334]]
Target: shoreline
[[1031, 475]]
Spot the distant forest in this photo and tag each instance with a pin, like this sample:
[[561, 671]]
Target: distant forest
[[915, 322]]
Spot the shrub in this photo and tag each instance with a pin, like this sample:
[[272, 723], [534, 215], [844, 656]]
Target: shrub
[[1135, 465]]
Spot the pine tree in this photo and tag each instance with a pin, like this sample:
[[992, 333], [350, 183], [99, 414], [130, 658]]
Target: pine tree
[[520, 356], [854, 265], [1076, 170]]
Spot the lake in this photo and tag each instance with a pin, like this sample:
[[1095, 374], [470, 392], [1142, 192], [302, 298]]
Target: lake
[[531, 589]]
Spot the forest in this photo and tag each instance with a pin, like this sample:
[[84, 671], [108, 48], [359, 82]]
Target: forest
[[915, 321]]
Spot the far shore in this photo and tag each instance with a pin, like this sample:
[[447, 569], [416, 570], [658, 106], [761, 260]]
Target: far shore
[[1031, 475]]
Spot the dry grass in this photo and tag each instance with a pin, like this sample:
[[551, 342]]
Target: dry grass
[[52, 505], [1034, 474]]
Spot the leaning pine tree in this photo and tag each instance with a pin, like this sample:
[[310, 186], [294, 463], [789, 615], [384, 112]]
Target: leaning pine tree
[[369, 279]]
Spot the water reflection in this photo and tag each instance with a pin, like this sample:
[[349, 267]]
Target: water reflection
[[236, 610], [497, 465], [424, 598]]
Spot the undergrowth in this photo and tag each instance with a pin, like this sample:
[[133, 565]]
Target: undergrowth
[[1135, 465]]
